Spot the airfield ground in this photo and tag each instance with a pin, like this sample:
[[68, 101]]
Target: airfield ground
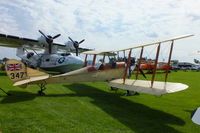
[[93, 108]]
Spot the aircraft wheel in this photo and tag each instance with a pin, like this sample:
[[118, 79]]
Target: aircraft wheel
[[131, 93], [41, 93], [113, 88]]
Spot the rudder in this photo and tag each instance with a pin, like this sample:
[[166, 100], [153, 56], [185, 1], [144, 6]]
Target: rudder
[[16, 70]]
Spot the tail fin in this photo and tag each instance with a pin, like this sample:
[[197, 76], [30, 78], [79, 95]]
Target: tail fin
[[17, 71]]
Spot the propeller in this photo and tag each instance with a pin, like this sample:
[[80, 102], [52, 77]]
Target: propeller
[[76, 44], [49, 40]]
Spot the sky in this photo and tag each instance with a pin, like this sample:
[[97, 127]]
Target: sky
[[105, 24]]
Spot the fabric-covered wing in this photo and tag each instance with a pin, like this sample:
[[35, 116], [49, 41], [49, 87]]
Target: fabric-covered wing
[[144, 86]]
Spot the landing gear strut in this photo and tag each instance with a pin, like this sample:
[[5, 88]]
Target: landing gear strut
[[42, 88]]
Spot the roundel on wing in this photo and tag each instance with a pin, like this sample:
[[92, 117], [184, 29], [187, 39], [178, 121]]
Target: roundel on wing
[[61, 60]]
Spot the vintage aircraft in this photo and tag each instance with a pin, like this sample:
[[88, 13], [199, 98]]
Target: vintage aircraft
[[149, 66], [113, 72], [50, 59]]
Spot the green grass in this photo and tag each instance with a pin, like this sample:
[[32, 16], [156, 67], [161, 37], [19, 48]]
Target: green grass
[[92, 107]]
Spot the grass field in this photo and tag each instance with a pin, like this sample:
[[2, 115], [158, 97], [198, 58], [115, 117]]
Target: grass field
[[93, 108]]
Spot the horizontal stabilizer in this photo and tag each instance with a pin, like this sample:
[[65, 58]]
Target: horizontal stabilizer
[[143, 86], [31, 79]]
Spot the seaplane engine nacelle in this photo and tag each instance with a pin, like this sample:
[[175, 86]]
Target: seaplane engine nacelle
[[69, 45], [42, 41]]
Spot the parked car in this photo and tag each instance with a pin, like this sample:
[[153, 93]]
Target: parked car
[[195, 67], [175, 67]]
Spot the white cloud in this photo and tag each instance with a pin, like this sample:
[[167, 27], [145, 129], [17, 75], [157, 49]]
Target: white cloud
[[104, 24]]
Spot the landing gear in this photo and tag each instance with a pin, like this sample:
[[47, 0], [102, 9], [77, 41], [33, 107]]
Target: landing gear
[[41, 93], [131, 93], [42, 88], [113, 88]]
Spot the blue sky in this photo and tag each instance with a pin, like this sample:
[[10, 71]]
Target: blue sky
[[105, 24]]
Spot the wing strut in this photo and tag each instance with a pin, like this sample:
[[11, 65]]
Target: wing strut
[[127, 65], [94, 59], [124, 56], [117, 55], [169, 59], [140, 61], [103, 60], [155, 65], [85, 62]]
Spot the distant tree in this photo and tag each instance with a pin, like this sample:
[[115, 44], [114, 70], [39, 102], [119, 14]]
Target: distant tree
[[5, 59], [2, 67], [144, 58], [174, 62]]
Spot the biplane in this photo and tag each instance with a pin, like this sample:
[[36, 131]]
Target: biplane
[[55, 57], [149, 66], [114, 72]]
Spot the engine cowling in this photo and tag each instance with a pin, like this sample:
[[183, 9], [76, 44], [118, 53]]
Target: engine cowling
[[69, 45], [42, 41]]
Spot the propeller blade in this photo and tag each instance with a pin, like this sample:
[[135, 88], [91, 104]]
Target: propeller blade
[[42, 33], [76, 44], [81, 41], [56, 36], [77, 51], [71, 39]]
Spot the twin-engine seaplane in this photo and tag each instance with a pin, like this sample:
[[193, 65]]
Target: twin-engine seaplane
[[50, 59], [114, 72]]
